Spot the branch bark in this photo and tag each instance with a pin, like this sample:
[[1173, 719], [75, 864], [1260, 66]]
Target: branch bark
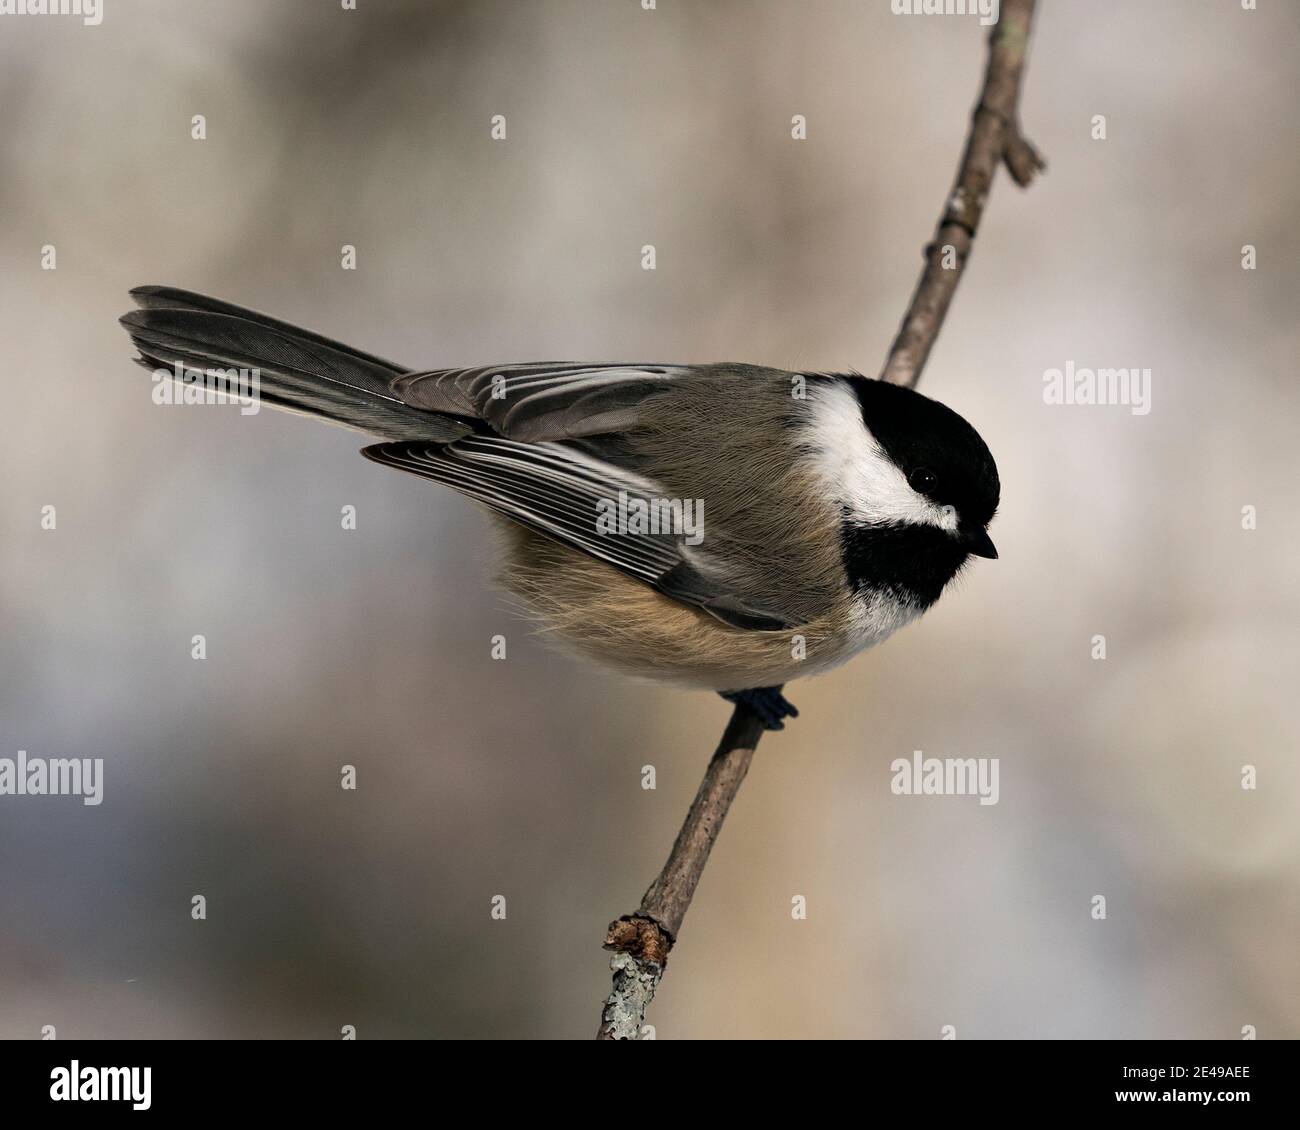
[[994, 138], [641, 941]]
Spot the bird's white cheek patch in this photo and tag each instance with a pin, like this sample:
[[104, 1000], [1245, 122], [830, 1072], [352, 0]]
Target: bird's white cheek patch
[[854, 468]]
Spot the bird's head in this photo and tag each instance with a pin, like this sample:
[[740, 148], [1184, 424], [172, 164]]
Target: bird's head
[[926, 490]]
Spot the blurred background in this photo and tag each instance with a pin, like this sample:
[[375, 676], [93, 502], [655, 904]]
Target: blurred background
[[522, 777]]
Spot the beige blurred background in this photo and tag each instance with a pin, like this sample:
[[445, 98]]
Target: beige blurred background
[[523, 777]]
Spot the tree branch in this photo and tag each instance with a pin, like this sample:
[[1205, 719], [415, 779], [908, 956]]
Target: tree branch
[[642, 940], [994, 138]]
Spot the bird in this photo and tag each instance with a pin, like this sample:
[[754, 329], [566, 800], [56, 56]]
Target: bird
[[727, 527]]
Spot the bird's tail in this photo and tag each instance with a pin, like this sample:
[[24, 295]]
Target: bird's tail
[[296, 370]]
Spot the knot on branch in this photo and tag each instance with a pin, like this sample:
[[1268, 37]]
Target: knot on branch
[[1024, 162], [639, 937]]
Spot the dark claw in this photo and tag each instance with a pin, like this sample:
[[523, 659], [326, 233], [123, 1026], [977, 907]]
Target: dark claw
[[767, 704]]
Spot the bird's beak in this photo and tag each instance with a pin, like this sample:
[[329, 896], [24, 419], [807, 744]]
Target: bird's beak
[[980, 544]]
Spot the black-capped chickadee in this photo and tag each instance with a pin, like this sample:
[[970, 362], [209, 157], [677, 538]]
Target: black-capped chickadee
[[721, 526]]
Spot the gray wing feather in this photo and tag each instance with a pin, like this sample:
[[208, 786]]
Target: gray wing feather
[[540, 402], [555, 490], [542, 486]]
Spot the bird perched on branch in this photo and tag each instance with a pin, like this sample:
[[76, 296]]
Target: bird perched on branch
[[726, 526]]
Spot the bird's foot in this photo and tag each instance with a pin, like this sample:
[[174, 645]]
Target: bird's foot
[[767, 704]]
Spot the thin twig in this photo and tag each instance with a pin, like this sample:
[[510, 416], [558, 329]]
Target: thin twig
[[994, 138], [642, 940]]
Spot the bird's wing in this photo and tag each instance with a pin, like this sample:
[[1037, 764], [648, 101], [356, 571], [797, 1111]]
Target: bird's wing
[[538, 402], [542, 444], [563, 493]]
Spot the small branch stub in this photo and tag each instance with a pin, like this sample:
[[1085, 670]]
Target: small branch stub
[[640, 937], [640, 948]]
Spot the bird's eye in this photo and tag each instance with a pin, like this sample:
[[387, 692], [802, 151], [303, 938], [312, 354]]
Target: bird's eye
[[923, 480]]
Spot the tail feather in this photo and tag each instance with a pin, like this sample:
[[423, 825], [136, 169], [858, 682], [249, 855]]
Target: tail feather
[[173, 298], [298, 371]]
